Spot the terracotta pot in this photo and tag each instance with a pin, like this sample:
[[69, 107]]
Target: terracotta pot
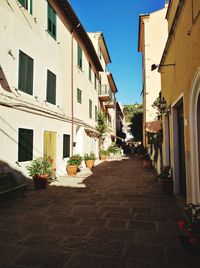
[[166, 185], [103, 156], [40, 181], [89, 163], [188, 247], [71, 170], [147, 163]]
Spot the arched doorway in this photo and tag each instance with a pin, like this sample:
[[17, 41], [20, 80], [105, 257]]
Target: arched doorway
[[195, 137]]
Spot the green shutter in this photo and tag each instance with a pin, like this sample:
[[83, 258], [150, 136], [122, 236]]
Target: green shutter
[[96, 113], [79, 95], [25, 78], [79, 57], [25, 144], [66, 145], [95, 81], [31, 7], [90, 108], [51, 87], [90, 72], [23, 3], [51, 21]]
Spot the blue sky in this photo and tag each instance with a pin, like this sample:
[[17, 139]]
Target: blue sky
[[118, 20]]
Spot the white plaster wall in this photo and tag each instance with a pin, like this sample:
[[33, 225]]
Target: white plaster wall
[[19, 31]]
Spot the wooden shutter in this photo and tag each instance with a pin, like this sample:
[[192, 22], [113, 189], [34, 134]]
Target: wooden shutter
[[66, 145], [51, 21], [90, 108], [51, 87], [79, 57], [25, 79], [31, 7], [25, 144]]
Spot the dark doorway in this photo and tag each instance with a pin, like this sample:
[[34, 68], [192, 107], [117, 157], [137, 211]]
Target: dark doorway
[[181, 151]]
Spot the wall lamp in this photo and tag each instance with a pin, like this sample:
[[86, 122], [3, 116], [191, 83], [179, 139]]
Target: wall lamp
[[155, 66]]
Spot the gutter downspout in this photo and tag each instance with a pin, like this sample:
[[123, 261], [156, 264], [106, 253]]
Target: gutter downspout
[[72, 87]]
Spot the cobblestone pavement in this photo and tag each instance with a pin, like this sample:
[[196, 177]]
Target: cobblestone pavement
[[119, 220]]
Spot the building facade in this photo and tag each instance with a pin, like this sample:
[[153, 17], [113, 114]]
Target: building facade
[[49, 77], [180, 76]]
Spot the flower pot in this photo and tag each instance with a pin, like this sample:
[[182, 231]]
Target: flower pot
[[71, 170], [189, 247], [89, 163], [166, 185], [147, 163], [103, 156], [40, 181]]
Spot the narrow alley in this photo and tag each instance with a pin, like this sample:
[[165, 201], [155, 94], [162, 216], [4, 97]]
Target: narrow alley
[[119, 220]]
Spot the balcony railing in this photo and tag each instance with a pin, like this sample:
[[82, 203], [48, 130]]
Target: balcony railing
[[105, 94]]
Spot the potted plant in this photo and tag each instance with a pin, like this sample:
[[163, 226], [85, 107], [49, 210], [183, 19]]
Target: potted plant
[[146, 161], [73, 163], [41, 170], [190, 229], [90, 160], [103, 154], [166, 181]]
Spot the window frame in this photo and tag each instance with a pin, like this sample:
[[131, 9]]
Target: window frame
[[25, 73], [90, 108], [25, 153], [79, 57], [51, 21], [50, 88], [66, 152], [79, 95]]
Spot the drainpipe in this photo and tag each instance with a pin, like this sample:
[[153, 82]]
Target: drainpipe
[[72, 87]]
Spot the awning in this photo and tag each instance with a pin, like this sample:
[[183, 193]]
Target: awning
[[153, 126], [92, 133]]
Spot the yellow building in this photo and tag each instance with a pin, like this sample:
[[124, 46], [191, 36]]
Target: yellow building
[[180, 80]]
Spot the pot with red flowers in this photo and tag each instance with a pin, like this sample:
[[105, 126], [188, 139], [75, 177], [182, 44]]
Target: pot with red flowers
[[190, 229], [41, 169]]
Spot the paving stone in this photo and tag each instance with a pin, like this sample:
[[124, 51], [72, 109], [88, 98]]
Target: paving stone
[[120, 220], [87, 261]]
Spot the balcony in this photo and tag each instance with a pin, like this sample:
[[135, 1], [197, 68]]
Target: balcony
[[111, 104], [105, 94]]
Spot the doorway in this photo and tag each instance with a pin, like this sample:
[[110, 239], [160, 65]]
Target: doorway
[[50, 145]]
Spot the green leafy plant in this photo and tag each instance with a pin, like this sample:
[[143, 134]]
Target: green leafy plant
[[102, 126], [90, 156], [114, 149], [41, 166], [75, 160], [104, 152]]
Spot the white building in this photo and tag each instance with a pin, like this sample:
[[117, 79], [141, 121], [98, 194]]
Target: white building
[[107, 87], [49, 73], [152, 38]]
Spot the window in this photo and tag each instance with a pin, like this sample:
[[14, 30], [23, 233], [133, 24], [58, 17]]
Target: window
[[96, 113], [80, 55], [25, 144], [27, 4], [66, 145], [51, 87], [90, 72], [51, 21], [90, 108], [25, 77], [95, 81], [79, 95]]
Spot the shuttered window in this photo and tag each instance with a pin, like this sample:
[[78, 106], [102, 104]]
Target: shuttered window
[[96, 113], [66, 145], [90, 72], [79, 95], [51, 21], [95, 81], [79, 56], [28, 4], [90, 108], [25, 144], [25, 78], [51, 87]]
